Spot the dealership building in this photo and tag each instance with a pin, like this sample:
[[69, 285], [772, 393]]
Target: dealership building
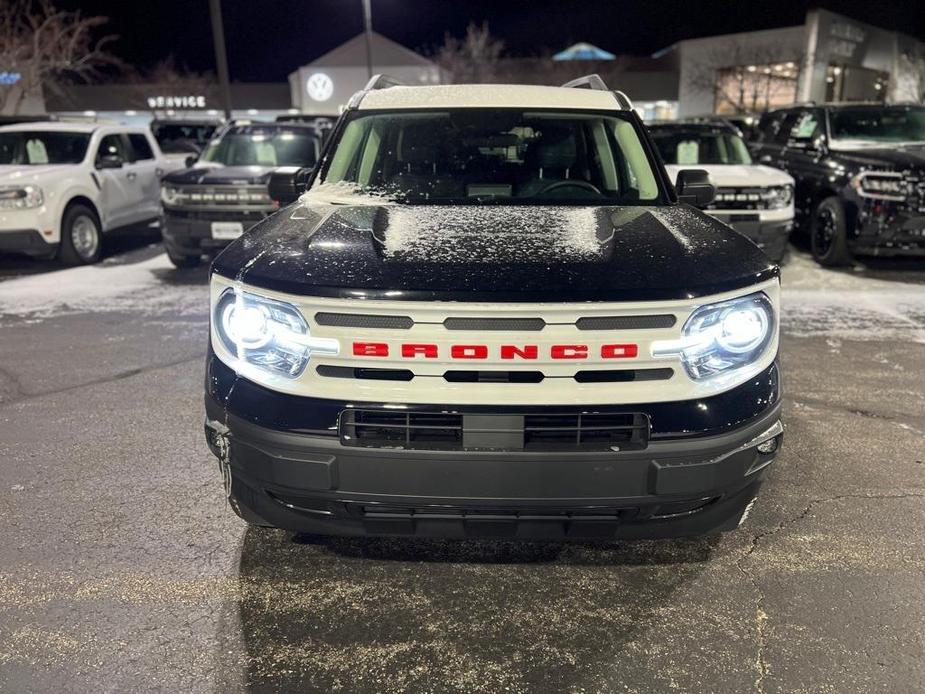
[[829, 57]]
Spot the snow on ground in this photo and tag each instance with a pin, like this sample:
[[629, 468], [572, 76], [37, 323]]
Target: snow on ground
[[847, 305], [141, 287], [840, 305]]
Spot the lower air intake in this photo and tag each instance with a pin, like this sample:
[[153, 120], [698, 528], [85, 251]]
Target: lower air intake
[[499, 432]]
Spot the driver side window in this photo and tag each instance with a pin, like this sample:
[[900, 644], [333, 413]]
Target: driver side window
[[111, 146]]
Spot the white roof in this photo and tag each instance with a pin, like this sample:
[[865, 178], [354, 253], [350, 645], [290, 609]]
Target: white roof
[[489, 95], [69, 127], [385, 51]]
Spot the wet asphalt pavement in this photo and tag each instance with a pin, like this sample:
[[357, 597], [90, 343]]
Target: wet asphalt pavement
[[122, 569]]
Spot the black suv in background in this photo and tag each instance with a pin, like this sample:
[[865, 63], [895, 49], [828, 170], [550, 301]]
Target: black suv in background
[[225, 192], [860, 175], [183, 138]]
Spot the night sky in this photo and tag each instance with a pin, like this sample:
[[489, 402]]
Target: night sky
[[267, 39]]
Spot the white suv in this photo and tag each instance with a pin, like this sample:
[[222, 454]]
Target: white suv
[[63, 185], [755, 200]]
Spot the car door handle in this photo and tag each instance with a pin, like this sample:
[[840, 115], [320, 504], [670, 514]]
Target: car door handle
[[131, 175]]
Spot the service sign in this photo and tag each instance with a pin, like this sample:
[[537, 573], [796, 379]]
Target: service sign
[[177, 101]]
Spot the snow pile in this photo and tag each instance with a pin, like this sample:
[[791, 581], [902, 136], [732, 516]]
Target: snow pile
[[466, 234], [818, 301], [138, 288]]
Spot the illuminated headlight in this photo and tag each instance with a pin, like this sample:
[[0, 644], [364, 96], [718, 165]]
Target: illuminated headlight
[[881, 185], [722, 338], [268, 334], [777, 197], [170, 195], [21, 198]]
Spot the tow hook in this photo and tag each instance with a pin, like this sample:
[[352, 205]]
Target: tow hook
[[224, 461]]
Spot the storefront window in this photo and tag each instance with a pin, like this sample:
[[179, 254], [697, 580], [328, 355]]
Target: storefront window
[[852, 83], [755, 88]]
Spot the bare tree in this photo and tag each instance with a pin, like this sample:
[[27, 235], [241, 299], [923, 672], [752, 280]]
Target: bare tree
[[908, 84], [744, 77], [473, 58], [42, 47]]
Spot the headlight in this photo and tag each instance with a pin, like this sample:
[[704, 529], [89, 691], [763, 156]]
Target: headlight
[[21, 197], [170, 195], [268, 334], [720, 338], [880, 185], [777, 197]]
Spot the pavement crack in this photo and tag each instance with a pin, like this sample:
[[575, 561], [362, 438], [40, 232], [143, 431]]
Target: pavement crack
[[27, 395], [761, 617], [762, 669], [815, 502]]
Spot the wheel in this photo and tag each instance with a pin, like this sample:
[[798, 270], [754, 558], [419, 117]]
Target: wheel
[[81, 236], [829, 233], [183, 261]]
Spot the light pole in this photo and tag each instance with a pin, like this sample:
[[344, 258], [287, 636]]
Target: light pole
[[368, 30], [221, 57]]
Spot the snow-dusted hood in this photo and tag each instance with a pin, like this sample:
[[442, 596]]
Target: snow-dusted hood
[[14, 174], [494, 253], [737, 175]]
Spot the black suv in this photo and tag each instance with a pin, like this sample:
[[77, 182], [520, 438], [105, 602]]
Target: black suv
[[225, 192], [859, 171]]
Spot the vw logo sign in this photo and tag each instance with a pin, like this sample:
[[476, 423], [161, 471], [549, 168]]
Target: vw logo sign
[[319, 87]]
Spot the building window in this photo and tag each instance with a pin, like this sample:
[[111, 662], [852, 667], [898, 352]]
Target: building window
[[852, 83], [755, 88]]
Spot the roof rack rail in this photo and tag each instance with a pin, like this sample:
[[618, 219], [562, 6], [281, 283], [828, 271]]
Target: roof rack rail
[[596, 82], [382, 82]]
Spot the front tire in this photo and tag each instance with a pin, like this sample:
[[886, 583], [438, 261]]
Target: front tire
[[182, 262], [81, 236], [829, 233]]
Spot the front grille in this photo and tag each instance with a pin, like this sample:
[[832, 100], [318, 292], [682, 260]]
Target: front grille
[[362, 320], [391, 429], [506, 324], [586, 431], [497, 375], [219, 196], [739, 199], [511, 432], [531, 324], [626, 322]]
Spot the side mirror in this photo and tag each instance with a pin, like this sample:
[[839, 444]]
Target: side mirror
[[109, 161], [190, 161], [287, 183], [694, 187]]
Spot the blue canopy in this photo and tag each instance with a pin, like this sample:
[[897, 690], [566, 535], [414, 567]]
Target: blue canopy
[[583, 51]]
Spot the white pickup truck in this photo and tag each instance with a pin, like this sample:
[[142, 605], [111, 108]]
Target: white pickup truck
[[64, 185]]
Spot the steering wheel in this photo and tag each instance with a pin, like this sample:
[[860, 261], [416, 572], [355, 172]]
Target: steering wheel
[[584, 185]]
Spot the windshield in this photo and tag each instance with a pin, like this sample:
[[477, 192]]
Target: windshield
[[900, 124], [36, 147], [180, 138], [492, 155], [691, 148], [263, 146]]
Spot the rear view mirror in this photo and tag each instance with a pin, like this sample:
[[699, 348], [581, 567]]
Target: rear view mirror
[[694, 187], [287, 183]]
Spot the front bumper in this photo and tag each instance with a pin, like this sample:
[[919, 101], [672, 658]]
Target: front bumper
[[885, 230], [190, 232], [309, 482], [769, 234], [28, 241]]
